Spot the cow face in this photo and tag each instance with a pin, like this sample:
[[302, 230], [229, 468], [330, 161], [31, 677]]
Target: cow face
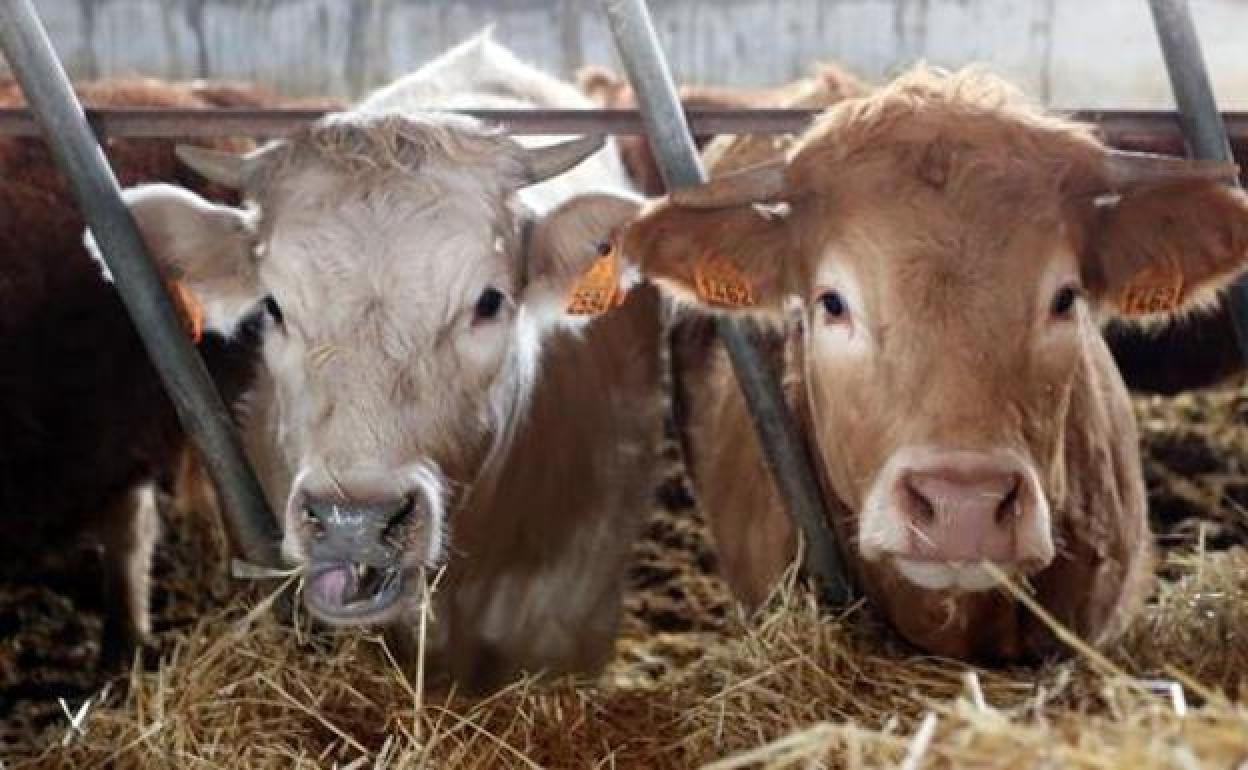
[[407, 290], [951, 251]]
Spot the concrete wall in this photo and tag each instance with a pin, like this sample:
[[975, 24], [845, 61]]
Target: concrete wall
[[1094, 53]]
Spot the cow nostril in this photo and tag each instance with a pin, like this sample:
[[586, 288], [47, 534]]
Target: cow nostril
[[920, 507], [312, 523], [397, 523], [1009, 505]]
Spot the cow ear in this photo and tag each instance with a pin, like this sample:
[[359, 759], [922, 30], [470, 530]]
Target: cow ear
[[600, 84], [570, 269], [731, 259], [1155, 251], [206, 247]]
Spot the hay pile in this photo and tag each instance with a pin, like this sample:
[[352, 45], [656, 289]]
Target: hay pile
[[694, 684], [240, 690]]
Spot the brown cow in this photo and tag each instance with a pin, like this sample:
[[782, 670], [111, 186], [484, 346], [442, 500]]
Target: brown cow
[[84, 422], [827, 86], [950, 251]]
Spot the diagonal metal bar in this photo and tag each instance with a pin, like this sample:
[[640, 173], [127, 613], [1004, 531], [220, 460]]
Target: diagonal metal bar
[[30, 55], [1203, 127], [678, 161]]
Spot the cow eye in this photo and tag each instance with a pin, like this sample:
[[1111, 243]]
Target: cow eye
[[274, 310], [1064, 300], [488, 304], [834, 305]]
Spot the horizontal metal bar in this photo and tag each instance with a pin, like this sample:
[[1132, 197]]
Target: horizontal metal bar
[[1135, 127]]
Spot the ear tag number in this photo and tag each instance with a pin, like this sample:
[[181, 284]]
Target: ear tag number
[[719, 282], [190, 312], [598, 289], [1153, 291]]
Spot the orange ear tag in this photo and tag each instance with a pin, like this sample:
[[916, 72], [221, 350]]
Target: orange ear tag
[[189, 311], [598, 289], [719, 282], [1157, 289]]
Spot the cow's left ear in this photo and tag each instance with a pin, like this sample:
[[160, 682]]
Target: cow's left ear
[[1155, 251], [569, 270]]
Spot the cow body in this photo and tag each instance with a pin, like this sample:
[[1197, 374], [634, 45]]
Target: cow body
[[427, 412], [84, 422], [931, 264]]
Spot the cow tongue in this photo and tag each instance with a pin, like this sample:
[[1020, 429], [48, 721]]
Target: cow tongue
[[332, 586], [346, 584]]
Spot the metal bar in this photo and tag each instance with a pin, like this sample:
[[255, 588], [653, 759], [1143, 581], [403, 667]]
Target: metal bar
[[678, 161], [1132, 128], [1203, 129], [30, 55], [272, 122]]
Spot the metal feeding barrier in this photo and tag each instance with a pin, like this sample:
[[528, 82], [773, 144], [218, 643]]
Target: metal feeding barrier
[[78, 156], [56, 114]]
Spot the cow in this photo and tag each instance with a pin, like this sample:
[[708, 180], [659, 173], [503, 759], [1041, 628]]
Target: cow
[[929, 266], [427, 410], [85, 426], [828, 85]]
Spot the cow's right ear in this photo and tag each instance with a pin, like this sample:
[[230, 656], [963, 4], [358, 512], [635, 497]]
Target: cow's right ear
[[207, 247], [721, 246]]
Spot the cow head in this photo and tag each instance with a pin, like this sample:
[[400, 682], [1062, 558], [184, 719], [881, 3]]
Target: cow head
[[407, 288], [952, 251]]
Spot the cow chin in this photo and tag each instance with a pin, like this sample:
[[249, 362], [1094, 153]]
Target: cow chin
[[953, 577]]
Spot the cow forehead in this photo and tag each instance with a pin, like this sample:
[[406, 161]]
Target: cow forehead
[[339, 248], [912, 239]]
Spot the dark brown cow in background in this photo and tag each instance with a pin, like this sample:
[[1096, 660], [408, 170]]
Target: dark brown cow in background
[[84, 422], [952, 250]]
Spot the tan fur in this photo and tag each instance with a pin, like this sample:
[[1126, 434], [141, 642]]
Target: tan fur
[[947, 211], [828, 85]]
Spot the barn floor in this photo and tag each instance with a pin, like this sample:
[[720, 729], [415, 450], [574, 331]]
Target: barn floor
[[226, 686]]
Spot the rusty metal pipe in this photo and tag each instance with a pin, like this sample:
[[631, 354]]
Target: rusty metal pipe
[[1131, 129]]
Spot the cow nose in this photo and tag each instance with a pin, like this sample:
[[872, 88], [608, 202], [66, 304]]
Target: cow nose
[[369, 533], [968, 514]]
